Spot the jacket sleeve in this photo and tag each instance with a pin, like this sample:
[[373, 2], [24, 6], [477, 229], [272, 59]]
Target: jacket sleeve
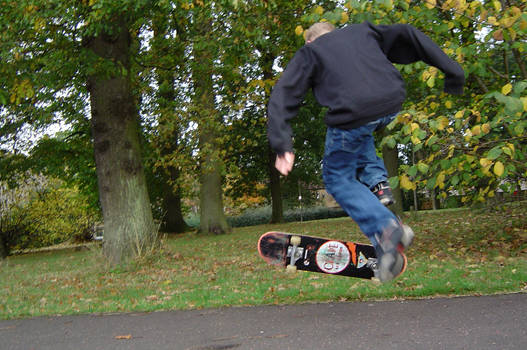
[[403, 43], [286, 97]]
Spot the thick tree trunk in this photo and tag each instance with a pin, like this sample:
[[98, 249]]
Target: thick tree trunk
[[129, 229], [212, 216]]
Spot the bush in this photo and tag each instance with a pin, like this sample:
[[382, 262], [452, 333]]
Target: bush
[[41, 212], [262, 215], [61, 214]]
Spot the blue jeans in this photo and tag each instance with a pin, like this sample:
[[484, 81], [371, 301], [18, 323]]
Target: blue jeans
[[351, 169]]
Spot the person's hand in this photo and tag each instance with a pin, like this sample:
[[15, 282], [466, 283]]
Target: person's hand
[[284, 162]]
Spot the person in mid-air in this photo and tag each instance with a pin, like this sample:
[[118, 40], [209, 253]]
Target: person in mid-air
[[351, 71]]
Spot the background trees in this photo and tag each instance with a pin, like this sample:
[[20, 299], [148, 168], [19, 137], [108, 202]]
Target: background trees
[[177, 90]]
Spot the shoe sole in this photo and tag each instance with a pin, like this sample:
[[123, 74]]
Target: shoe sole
[[408, 236], [386, 201], [397, 267], [394, 264]]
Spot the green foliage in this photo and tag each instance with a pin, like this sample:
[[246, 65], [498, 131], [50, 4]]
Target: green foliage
[[40, 213], [58, 215], [472, 144]]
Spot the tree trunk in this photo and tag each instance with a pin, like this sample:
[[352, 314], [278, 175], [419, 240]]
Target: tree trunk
[[391, 162], [212, 216], [173, 221], [4, 248], [277, 213], [129, 229]]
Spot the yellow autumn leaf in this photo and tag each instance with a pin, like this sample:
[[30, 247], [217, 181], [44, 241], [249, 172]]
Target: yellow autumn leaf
[[344, 18], [440, 181], [506, 89], [507, 21], [430, 3], [299, 30], [483, 15], [485, 128], [431, 82], [319, 10], [492, 20], [414, 126], [485, 162], [459, 114], [468, 135], [448, 104], [499, 169], [443, 123], [476, 130], [497, 5], [406, 183], [524, 102]]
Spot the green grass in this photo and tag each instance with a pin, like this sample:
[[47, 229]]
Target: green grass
[[460, 252]]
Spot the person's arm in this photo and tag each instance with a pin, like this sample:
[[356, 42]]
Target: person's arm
[[403, 43], [286, 97]]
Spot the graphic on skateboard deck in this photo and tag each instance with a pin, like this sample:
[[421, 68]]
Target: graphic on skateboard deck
[[298, 252]]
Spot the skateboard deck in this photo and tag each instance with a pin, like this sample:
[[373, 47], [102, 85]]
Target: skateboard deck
[[330, 256]]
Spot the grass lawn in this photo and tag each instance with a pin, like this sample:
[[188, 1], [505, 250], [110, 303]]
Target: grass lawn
[[458, 252]]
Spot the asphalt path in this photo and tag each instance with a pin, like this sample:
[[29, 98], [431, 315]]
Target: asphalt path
[[486, 322]]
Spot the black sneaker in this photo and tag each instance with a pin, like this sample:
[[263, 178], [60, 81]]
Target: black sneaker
[[383, 191], [390, 260]]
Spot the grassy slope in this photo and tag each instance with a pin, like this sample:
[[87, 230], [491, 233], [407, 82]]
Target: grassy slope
[[455, 253]]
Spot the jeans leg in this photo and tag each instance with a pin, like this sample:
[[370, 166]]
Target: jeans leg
[[370, 167], [340, 178]]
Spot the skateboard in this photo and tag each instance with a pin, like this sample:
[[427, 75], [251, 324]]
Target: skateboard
[[330, 256]]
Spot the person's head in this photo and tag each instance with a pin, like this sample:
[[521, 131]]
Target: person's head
[[317, 30]]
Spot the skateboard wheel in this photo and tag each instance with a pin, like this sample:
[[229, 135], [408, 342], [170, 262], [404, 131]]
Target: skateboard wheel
[[295, 240], [290, 268]]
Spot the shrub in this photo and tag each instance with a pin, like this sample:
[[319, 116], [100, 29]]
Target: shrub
[[262, 215], [41, 212]]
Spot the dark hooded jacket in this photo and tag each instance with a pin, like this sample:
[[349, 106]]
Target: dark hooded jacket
[[351, 72]]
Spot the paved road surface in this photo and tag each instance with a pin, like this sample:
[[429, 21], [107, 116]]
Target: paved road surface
[[490, 322]]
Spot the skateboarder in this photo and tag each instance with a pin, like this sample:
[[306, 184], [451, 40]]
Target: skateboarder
[[351, 71]]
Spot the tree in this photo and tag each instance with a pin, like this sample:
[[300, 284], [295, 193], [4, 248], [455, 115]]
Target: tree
[[212, 216], [168, 150], [57, 53], [128, 223]]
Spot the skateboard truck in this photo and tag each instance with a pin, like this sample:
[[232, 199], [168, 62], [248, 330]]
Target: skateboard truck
[[294, 252]]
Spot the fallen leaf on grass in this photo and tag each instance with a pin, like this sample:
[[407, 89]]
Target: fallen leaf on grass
[[123, 337]]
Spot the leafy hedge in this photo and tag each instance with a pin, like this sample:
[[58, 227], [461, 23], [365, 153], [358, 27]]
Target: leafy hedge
[[260, 216]]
